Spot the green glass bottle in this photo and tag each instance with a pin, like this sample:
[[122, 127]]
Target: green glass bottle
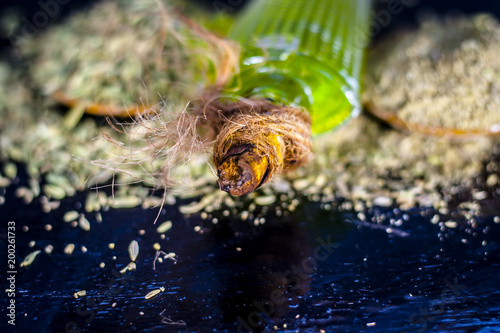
[[304, 53]]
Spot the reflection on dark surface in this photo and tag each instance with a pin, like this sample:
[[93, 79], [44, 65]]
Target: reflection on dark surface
[[235, 276], [272, 273], [267, 275]]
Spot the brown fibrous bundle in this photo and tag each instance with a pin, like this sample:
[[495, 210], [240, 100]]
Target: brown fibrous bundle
[[281, 133]]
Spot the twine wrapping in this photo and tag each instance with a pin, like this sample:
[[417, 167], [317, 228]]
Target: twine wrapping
[[280, 134]]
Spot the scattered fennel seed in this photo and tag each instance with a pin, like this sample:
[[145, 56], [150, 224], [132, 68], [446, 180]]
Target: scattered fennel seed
[[133, 250], [84, 223], [130, 267], [125, 202], [265, 200], [69, 248], [48, 249], [29, 258], [70, 216], [154, 293], [164, 227], [10, 170], [450, 224], [54, 191]]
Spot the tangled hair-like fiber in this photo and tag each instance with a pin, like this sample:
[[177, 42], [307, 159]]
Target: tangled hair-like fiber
[[160, 144], [280, 133]]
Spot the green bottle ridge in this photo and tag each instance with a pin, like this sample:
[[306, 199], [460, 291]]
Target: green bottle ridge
[[304, 53]]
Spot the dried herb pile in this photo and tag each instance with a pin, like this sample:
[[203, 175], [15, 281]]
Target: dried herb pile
[[362, 164]]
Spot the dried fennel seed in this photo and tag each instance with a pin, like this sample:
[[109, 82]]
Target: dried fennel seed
[[69, 249], [83, 222], [4, 182], [164, 227], [25, 193], [265, 200], [54, 191], [28, 260], [71, 216], [130, 267], [10, 170], [133, 250], [154, 293], [48, 249], [125, 202]]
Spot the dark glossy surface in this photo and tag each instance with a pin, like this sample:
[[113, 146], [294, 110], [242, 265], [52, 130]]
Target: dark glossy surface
[[315, 269]]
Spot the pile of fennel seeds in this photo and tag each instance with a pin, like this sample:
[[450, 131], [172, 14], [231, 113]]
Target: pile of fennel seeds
[[119, 54], [363, 163], [442, 75], [110, 55]]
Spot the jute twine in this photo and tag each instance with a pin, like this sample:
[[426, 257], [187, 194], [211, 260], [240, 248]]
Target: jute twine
[[281, 133]]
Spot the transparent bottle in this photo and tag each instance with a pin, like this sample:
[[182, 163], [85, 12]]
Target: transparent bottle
[[304, 53]]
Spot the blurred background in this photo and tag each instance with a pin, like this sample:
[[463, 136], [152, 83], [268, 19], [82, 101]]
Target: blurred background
[[12, 9]]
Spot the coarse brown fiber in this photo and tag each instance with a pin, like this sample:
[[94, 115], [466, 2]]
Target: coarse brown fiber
[[281, 133]]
